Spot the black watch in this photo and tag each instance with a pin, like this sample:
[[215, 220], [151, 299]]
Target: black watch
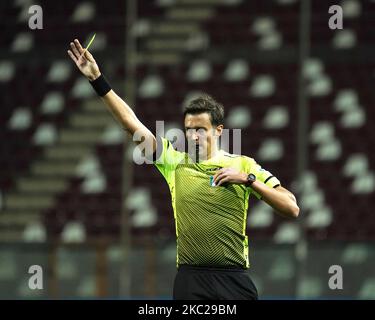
[[250, 179]]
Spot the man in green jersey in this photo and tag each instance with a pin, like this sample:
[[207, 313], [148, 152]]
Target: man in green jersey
[[210, 189]]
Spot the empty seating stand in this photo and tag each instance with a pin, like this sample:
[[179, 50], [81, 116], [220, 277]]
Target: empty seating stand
[[62, 154]]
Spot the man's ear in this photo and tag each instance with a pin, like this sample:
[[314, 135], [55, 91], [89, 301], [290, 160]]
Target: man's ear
[[219, 130]]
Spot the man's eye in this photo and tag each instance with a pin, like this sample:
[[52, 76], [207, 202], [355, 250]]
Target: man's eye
[[200, 131]]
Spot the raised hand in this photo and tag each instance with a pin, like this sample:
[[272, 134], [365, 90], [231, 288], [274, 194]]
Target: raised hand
[[84, 60]]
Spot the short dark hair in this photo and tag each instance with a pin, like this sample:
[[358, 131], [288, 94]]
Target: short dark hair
[[206, 103]]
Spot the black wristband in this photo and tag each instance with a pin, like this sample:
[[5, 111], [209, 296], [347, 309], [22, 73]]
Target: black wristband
[[101, 86]]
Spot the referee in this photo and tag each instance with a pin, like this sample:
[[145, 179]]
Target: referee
[[210, 189]]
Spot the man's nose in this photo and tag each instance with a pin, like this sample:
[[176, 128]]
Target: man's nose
[[195, 136]]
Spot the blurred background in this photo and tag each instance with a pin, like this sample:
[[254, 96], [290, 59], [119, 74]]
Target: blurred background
[[73, 202]]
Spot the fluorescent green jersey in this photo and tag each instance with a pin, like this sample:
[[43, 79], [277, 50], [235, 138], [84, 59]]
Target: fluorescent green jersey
[[210, 221]]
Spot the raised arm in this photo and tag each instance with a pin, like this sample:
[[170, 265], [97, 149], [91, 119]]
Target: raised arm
[[118, 107]]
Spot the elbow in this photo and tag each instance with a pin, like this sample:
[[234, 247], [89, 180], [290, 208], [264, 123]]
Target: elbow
[[290, 207], [294, 211], [290, 212]]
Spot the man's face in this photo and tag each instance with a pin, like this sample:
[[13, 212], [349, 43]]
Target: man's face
[[201, 135]]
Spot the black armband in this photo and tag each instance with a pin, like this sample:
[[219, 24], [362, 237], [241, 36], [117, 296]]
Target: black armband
[[101, 86]]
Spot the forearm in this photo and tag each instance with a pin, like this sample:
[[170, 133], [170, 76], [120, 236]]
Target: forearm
[[279, 198], [283, 202], [123, 114], [126, 117]]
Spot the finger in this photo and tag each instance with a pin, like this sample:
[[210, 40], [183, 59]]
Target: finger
[[72, 56], [89, 56], [82, 54], [78, 46], [220, 178], [224, 180], [218, 172], [74, 50]]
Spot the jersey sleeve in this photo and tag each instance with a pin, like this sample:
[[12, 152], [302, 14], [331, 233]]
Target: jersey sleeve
[[167, 158], [262, 175]]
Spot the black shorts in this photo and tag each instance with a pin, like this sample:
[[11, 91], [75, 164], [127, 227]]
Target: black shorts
[[206, 283]]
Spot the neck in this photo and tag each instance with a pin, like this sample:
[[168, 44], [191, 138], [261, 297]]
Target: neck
[[213, 152], [210, 154]]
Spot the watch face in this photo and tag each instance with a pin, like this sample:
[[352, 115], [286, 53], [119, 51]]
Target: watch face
[[251, 177]]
